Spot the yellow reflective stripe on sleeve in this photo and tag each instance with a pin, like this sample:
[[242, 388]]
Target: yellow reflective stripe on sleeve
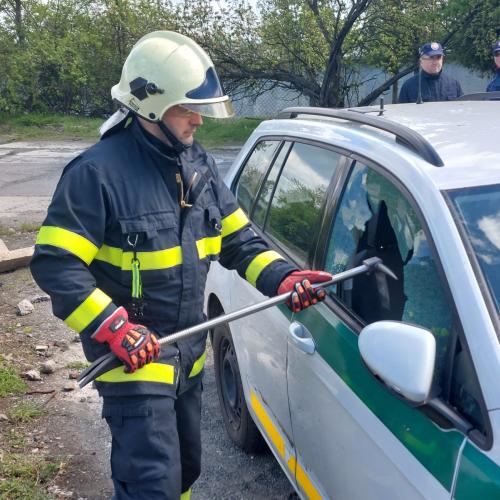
[[198, 365], [68, 240], [158, 259], [152, 372], [234, 222], [268, 425], [186, 495], [88, 310], [259, 263], [209, 246]]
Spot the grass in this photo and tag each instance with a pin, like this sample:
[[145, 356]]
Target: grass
[[39, 126], [10, 382], [78, 365], [232, 132], [24, 228], [213, 133], [24, 412], [25, 477], [14, 439], [29, 227], [4, 230]]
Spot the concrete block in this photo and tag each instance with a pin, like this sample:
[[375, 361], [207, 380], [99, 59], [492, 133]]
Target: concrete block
[[13, 259]]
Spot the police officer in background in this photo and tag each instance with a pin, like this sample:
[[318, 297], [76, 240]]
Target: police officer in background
[[494, 85], [430, 84], [124, 253]]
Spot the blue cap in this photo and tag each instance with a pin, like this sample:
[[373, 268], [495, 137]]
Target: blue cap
[[431, 49], [495, 47]]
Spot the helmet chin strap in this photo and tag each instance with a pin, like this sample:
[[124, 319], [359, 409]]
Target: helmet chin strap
[[179, 147]]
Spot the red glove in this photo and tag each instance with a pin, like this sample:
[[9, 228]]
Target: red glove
[[304, 295], [135, 345]]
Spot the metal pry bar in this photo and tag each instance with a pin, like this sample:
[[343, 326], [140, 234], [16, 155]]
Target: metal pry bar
[[109, 360]]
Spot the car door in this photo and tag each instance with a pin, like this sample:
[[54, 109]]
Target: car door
[[286, 207], [353, 438]]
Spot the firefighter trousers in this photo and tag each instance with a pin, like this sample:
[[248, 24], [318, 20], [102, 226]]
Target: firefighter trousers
[[156, 444]]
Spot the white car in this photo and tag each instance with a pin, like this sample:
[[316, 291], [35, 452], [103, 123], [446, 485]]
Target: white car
[[390, 389]]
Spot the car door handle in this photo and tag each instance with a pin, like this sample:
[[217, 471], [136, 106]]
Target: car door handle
[[301, 337]]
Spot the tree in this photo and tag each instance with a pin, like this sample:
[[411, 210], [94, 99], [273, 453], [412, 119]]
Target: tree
[[317, 47], [298, 45]]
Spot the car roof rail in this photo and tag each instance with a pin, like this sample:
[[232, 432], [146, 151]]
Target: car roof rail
[[404, 135], [480, 96]]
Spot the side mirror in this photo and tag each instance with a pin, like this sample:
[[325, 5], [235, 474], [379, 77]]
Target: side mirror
[[402, 356]]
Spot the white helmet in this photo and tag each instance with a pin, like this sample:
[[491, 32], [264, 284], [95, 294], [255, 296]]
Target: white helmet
[[166, 69]]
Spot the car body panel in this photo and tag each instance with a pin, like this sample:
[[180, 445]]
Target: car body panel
[[479, 473], [262, 342]]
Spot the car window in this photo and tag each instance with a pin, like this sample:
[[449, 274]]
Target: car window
[[267, 188], [478, 209], [375, 219], [253, 171], [295, 211]]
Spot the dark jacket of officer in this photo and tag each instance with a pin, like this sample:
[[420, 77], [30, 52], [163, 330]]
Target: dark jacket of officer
[[494, 85], [119, 201], [438, 87]]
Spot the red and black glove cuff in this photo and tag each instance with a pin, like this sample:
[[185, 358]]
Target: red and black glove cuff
[[115, 325]]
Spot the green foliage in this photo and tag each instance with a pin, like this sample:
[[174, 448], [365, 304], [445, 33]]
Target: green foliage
[[10, 382], [472, 47], [63, 56], [25, 477], [71, 52], [24, 412]]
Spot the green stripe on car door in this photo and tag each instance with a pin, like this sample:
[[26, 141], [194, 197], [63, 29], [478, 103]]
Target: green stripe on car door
[[479, 477], [434, 448]]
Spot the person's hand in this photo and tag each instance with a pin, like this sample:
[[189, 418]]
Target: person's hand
[[134, 344], [304, 295]]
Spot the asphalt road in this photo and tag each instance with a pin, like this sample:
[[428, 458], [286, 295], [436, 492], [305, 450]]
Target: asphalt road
[[29, 172]]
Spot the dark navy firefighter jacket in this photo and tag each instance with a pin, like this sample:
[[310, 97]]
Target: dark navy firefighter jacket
[[433, 88], [120, 199], [494, 85]]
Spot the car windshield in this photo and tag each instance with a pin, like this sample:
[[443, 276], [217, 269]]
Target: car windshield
[[479, 211]]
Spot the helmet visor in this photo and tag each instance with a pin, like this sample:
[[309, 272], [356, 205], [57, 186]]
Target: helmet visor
[[212, 110]]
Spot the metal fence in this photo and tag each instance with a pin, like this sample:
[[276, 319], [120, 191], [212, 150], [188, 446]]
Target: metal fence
[[272, 102]]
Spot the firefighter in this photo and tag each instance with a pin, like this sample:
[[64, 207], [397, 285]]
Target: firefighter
[[124, 253]]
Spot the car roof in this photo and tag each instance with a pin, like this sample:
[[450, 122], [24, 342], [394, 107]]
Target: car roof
[[465, 134]]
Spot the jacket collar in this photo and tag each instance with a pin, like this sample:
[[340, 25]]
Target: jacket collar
[[152, 143], [431, 77]]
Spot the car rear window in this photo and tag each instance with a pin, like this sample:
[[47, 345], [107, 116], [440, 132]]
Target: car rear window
[[479, 213]]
